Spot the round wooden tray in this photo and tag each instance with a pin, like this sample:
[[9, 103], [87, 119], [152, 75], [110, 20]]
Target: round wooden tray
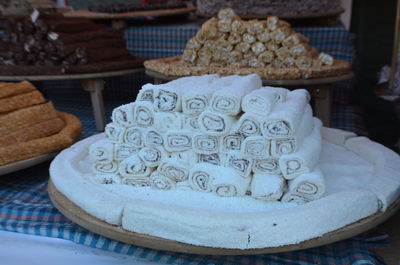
[[271, 82], [328, 13], [19, 165], [125, 15], [80, 217]]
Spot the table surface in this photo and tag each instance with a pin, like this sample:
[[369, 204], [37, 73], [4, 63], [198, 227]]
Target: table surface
[[69, 76]]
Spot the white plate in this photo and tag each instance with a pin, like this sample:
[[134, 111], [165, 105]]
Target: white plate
[[19, 165]]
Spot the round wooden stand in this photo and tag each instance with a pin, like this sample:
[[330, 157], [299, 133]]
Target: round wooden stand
[[319, 88], [80, 217], [93, 83]]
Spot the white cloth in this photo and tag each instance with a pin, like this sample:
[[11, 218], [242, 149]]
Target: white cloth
[[123, 115], [267, 187], [256, 147], [306, 187]]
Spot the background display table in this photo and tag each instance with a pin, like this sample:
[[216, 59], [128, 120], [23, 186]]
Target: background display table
[[93, 83]]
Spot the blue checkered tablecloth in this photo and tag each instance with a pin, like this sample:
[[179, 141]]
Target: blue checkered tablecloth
[[25, 206]]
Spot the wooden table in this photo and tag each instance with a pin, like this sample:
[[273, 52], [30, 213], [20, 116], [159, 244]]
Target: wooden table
[[93, 83], [319, 88]]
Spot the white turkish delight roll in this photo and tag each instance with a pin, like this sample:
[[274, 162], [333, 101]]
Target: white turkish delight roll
[[257, 147], [105, 168], [306, 187], [178, 140], [107, 179], [285, 119], [136, 182], [267, 187], [134, 137], [248, 125], [144, 114], [190, 123], [146, 93], [227, 182], [123, 115], [159, 181], [240, 163], [280, 147], [133, 166], [201, 176], [215, 124], [196, 101], [260, 101], [214, 159], [230, 91], [306, 158], [115, 133], [173, 170], [269, 166], [280, 93], [165, 121], [167, 98], [152, 138], [205, 144], [122, 151], [151, 156], [231, 142], [102, 151], [189, 157]]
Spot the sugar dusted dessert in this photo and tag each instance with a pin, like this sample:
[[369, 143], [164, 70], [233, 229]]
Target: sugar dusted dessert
[[225, 135]]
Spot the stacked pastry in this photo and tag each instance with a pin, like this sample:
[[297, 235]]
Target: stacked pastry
[[229, 41], [30, 126], [225, 135], [53, 44]]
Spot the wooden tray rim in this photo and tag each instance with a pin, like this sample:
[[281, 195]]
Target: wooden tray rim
[[80, 217]]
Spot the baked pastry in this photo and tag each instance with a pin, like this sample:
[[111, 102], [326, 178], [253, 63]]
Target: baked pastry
[[29, 126], [283, 8], [54, 44], [270, 48]]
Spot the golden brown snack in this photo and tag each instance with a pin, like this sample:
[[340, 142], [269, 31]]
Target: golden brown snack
[[21, 151], [21, 101], [25, 117], [11, 89], [36, 131]]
